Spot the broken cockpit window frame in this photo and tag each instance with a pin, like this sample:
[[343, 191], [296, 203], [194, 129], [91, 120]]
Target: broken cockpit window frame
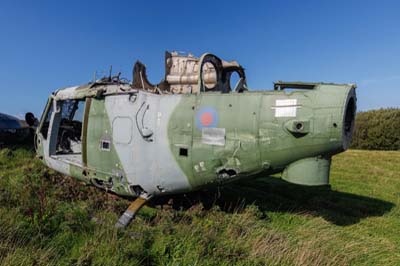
[[45, 119], [69, 138]]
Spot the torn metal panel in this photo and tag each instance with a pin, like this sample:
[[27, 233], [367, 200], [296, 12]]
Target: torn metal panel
[[185, 73]]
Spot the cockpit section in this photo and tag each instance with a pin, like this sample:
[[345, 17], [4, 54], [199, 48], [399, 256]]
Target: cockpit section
[[185, 74], [70, 128], [61, 128]]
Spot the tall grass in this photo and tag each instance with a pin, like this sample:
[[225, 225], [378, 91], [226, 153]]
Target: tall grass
[[49, 219]]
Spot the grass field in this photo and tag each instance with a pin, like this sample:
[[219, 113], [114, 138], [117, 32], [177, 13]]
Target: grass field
[[48, 219]]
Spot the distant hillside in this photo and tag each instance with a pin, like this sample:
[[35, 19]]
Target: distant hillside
[[377, 130]]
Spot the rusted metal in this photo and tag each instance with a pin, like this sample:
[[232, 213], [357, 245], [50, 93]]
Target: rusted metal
[[184, 71], [130, 213]]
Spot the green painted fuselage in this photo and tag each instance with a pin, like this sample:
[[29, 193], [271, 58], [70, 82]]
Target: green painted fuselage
[[132, 141]]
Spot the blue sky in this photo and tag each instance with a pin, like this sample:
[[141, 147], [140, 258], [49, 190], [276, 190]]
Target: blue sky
[[47, 45]]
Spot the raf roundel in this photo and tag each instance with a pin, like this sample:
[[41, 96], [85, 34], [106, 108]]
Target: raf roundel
[[206, 117]]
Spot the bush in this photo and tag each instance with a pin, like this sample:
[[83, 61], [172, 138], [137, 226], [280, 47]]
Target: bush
[[377, 130]]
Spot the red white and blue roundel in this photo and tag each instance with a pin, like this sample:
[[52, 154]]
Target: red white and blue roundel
[[206, 117]]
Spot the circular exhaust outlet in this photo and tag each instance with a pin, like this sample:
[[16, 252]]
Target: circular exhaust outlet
[[349, 118]]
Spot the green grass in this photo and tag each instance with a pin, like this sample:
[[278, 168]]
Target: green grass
[[49, 219]]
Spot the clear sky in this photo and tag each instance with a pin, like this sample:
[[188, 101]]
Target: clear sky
[[47, 45]]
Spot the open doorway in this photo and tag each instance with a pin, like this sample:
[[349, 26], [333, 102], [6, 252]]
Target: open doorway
[[69, 136]]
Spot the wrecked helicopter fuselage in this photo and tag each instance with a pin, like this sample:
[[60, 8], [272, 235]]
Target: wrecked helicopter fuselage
[[193, 129]]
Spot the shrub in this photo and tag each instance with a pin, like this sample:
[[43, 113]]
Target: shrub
[[377, 130]]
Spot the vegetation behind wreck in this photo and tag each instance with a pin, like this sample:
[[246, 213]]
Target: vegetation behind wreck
[[377, 130]]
